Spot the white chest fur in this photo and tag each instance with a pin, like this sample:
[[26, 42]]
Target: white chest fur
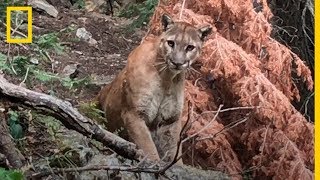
[[162, 107]]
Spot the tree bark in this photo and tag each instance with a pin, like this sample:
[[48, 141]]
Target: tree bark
[[7, 146]]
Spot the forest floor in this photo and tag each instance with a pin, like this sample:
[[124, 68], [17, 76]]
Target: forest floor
[[100, 61]]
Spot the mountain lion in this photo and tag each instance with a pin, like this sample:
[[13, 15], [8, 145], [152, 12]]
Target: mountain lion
[[146, 98]]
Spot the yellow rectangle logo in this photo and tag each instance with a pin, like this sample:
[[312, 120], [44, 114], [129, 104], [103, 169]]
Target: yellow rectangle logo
[[28, 9]]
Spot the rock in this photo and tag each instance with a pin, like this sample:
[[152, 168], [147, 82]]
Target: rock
[[100, 80], [113, 56], [3, 160], [94, 5], [92, 41], [44, 5], [61, 3], [71, 71], [34, 61], [78, 52], [83, 34]]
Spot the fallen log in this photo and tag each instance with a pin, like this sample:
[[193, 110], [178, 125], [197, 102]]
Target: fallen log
[[69, 116]]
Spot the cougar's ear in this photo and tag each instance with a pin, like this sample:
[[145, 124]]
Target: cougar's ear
[[204, 31], [166, 21]]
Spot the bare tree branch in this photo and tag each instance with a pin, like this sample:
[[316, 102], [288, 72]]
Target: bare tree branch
[[205, 127], [69, 116]]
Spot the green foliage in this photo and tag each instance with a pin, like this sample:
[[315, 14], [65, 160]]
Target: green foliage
[[10, 174], [14, 125], [143, 11], [66, 81], [80, 4], [3, 63], [18, 18], [49, 41], [74, 83], [92, 111], [44, 76], [20, 65], [53, 125], [5, 3]]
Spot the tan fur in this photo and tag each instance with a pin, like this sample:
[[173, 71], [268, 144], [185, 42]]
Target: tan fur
[[146, 98]]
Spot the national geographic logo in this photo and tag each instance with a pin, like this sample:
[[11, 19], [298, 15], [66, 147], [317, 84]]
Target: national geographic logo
[[28, 10]]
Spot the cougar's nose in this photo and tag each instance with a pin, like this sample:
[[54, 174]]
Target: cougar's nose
[[178, 65]]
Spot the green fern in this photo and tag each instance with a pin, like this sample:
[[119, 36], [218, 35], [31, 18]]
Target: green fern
[[21, 64], [91, 110], [44, 76], [49, 41], [73, 83], [10, 174]]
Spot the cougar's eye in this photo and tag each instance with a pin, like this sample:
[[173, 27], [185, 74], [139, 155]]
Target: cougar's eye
[[190, 48], [170, 43]]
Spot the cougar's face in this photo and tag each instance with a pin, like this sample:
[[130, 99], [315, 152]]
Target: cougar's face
[[181, 43]]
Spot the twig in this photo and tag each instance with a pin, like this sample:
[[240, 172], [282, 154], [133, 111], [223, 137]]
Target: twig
[[232, 109], [264, 142], [16, 31], [182, 7], [227, 127], [95, 168], [205, 127], [25, 77], [51, 60], [9, 60], [21, 45], [196, 81], [305, 104]]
